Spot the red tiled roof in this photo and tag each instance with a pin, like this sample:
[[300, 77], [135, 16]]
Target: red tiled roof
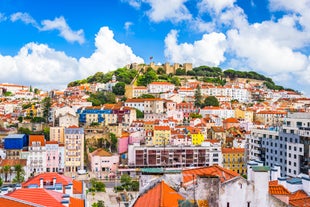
[[273, 182], [48, 176], [13, 202], [215, 170], [231, 120], [278, 190], [300, 202], [77, 187], [298, 195], [161, 128], [161, 83], [233, 150], [39, 196], [36, 138], [13, 162], [101, 152], [76, 202], [160, 195]]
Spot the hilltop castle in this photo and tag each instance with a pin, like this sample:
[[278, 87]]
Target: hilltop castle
[[167, 67]]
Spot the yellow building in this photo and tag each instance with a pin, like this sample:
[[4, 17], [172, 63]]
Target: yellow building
[[244, 114], [196, 135], [132, 91], [57, 134], [234, 159], [161, 135]]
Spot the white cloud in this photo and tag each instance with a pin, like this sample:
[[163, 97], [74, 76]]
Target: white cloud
[[61, 25], [207, 51], [24, 17], [134, 3], [215, 5], [109, 54], [127, 26], [41, 66], [172, 10]]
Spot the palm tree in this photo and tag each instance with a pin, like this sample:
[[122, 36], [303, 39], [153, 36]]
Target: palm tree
[[6, 170], [19, 174]]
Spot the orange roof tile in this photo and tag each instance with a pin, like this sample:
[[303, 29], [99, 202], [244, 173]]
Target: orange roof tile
[[36, 138], [231, 120], [13, 202], [77, 187], [300, 194], [76, 202], [161, 128], [278, 190], [160, 195], [233, 150], [48, 176], [273, 182], [161, 83], [39, 196], [215, 170], [101, 153], [13, 162], [300, 202]]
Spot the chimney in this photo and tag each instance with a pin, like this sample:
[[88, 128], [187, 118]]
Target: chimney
[[275, 172], [69, 189], [54, 182], [65, 200], [41, 183], [250, 165], [282, 181], [260, 176]]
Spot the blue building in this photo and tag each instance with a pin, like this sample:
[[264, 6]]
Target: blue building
[[98, 111], [14, 144]]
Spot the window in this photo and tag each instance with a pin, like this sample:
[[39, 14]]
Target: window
[[227, 204], [249, 203]]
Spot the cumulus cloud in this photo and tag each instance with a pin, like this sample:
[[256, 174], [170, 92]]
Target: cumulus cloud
[[58, 24], [38, 64], [109, 54], [207, 51], [42, 66], [66, 32]]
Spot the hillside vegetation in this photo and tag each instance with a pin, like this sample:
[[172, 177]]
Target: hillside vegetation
[[204, 73]]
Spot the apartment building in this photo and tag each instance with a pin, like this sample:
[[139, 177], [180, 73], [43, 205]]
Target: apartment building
[[74, 149], [287, 146], [37, 154], [175, 156], [57, 134]]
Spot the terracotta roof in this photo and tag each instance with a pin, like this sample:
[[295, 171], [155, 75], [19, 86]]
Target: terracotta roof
[[161, 128], [36, 138], [298, 195], [39, 196], [101, 153], [160, 195], [300, 202], [278, 190], [161, 83], [76, 202], [14, 202], [233, 150], [51, 142], [217, 129], [13, 162], [48, 176], [77, 187], [215, 170], [231, 120], [273, 182]]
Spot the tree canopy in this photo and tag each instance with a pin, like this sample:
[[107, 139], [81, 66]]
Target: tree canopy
[[102, 97], [211, 101]]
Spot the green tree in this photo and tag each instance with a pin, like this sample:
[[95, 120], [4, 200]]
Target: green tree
[[46, 132], [6, 170], [47, 103], [198, 97], [113, 139], [100, 203], [193, 115], [38, 119], [96, 186], [139, 114], [146, 96], [211, 101], [125, 179], [180, 71], [23, 130], [20, 119], [161, 71], [119, 88], [175, 80], [149, 77], [1, 181], [20, 173]]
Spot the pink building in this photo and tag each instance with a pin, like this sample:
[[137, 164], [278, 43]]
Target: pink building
[[103, 161], [52, 156], [136, 137], [123, 144]]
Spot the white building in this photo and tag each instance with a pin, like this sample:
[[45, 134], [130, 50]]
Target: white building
[[160, 87], [37, 154]]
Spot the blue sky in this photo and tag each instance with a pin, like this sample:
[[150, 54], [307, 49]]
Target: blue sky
[[52, 42]]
